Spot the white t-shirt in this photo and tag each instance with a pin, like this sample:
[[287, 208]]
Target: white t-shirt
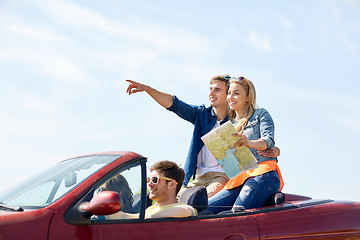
[[206, 161]]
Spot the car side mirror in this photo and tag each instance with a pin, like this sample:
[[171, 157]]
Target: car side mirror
[[103, 203]]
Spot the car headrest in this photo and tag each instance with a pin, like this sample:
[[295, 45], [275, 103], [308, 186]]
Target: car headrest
[[195, 197]]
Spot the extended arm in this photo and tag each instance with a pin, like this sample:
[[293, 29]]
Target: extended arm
[[179, 211], [164, 99], [122, 215]]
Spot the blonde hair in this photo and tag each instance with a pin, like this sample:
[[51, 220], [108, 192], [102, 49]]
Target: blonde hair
[[251, 106]]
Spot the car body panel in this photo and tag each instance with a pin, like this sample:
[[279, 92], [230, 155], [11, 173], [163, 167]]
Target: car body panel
[[299, 217], [17, 225], [326, 220], [219, 228]]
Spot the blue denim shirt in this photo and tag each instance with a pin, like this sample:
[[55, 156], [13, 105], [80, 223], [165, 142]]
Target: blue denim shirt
[[261, 125], [204, 119]]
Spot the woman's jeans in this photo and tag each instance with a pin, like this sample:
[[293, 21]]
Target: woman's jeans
[[254, 193]]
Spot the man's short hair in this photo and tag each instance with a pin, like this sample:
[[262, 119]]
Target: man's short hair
[[224, 78], [170, 170]]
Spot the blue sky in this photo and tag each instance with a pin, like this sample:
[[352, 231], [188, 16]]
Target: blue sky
[[63, 66]]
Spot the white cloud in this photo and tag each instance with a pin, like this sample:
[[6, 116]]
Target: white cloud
[[286, 22], [349, 122], [341, 110], [35, 32], [16, 125], [318, 97], [136, 45], [13, 25], [143, 32], [35, 104], [349, 45], [260, 42], [70, 13], [62, 68], [55, 66], [353, 3]]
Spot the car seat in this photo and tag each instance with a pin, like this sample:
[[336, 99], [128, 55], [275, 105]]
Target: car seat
[[137, 203], [197, 198]]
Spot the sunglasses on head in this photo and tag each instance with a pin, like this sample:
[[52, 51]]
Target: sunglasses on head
[[227, 77], [156, 179], [239, 79]]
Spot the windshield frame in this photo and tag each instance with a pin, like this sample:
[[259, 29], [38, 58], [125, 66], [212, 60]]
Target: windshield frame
[[50, 185]]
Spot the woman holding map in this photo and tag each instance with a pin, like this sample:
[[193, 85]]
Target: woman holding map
[[250, 189]]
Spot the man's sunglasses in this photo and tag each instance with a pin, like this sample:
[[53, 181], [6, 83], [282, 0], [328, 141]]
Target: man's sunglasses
[[156, 179], [227, 77]]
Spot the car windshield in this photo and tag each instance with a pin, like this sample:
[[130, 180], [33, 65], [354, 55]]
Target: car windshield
[[51, 184]]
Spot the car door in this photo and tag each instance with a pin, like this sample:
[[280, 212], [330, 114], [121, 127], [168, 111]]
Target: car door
[[133, 176]]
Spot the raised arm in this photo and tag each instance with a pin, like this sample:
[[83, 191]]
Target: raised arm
[[164, 99]]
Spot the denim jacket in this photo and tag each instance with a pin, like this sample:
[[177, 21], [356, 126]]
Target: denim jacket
[[261, 125], [204, 119]]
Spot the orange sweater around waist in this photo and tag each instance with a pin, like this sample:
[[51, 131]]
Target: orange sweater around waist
[[264, 167]]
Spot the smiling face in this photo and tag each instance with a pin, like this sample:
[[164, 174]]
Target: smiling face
[[237, 98], [217, 94], [160, 191]]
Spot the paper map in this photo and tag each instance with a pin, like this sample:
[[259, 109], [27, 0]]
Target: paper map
[[234, 160]]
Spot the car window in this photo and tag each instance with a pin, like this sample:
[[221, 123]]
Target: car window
[[53, 183], [127, 183]]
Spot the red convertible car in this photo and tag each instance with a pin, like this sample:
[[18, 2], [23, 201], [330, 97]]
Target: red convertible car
[[68, 202]]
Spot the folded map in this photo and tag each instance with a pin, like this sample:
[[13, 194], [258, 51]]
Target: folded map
[[234, 160]]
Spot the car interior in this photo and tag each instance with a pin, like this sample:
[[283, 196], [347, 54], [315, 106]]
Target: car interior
[[197, 198]]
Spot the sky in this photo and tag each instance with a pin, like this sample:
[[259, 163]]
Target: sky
[[63, 66]]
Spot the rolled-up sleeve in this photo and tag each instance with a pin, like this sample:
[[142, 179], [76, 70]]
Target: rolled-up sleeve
[[267, 129]]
